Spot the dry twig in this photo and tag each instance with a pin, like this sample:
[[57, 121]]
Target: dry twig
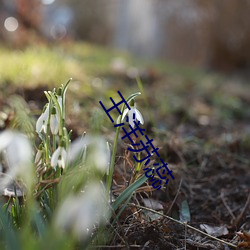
[[184, 224]]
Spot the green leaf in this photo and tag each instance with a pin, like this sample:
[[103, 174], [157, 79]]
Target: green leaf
[[122, 209], [11, 237], [39, 222], [132, 96], [128, 191], [65, 87], [185, 212]]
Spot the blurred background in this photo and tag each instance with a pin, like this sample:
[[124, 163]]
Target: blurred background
[[193, 60], [212, 34]]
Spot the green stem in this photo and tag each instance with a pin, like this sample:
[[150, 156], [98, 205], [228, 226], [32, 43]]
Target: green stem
[[138, 164], [112, 164], [47, 144], [65, 87]]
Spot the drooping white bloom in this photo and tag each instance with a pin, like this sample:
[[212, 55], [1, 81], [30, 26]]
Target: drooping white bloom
[[42, 122], [59, 157], [17, 152], [54, 121], [133, 115], [79, 214], [98, 152]]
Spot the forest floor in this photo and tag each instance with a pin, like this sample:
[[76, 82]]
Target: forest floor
[[200, 121]]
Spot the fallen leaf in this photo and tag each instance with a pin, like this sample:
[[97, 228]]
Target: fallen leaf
[[185, 212], [215, 231], [155, 205], [245, 236], [152, 204]]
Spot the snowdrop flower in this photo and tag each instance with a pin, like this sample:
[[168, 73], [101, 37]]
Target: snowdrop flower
[[17, 152], [98, 152], [59, 99], [79, 214], [133, 114], [59, 157], [54, 121], [42, 122]]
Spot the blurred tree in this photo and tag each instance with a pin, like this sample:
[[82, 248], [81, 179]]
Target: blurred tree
[[92, 20], [211, 33], [29, 14], [229, 34]]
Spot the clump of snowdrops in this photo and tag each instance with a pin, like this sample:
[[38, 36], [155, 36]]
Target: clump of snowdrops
[[61, 189]]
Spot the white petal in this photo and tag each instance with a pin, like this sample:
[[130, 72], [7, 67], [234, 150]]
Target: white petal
[[44, 127], [101, 154], [42, 121], [131, 116], [39, 123], [5, 139], [124, 113], [63, 158], [18, 157], [54, 124], [66, 215], [61, 163], [77, 148], [79, 214], [59, 99], [55, 156], [19, 151], [46, 113], [139, 116]]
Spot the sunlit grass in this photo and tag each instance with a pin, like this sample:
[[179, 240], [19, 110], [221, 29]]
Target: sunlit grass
[[37, 65], [41, 64]]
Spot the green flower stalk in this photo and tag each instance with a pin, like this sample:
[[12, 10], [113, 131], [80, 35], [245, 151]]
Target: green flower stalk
[[119, 119]]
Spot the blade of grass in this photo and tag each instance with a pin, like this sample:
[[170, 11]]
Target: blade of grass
[[128, 191], [11, 239], [122, 209]]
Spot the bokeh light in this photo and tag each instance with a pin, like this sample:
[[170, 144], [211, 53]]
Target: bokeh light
[[48, 2], [11, 24]]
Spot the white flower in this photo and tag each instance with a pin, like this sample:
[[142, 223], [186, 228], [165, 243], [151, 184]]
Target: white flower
[[79, 214], [59, 99], [133, 115], [39, 155], [59, 157], [54, 121], [42, 122], [98, 152], [17, 152]]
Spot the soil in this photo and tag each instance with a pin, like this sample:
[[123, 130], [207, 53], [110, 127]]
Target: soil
[[210, 160]]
